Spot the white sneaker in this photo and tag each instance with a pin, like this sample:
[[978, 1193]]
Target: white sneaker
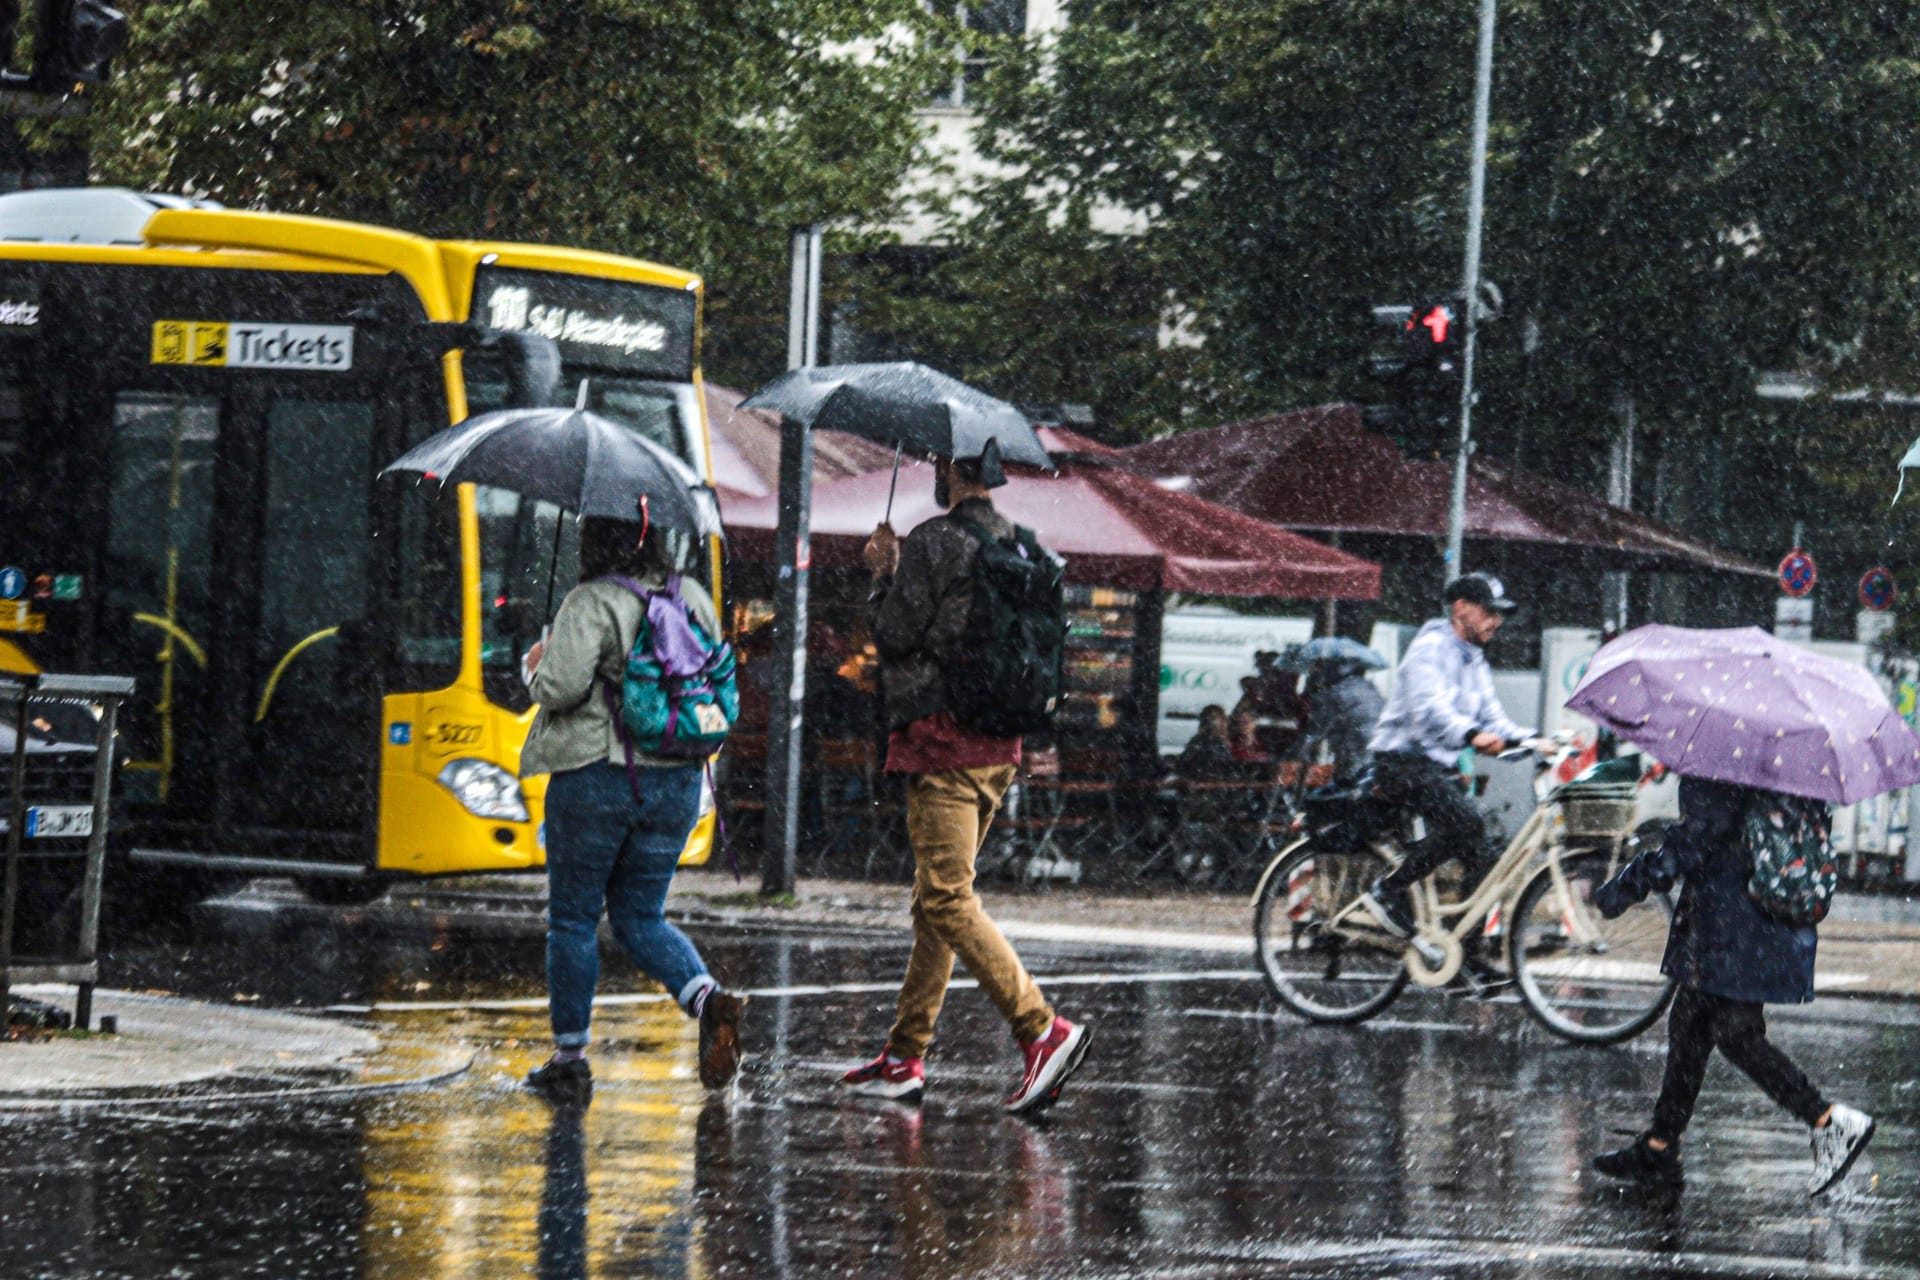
[[1837, 1146]]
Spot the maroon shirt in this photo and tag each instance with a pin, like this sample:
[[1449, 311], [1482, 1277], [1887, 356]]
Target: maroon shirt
[[937, 743]]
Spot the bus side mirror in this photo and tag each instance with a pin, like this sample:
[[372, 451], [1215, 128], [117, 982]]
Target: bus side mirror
[[533, 368], [531, 360]]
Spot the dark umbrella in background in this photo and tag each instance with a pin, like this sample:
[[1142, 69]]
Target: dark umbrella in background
[[1340, 649], [907, 405], [586, 463]]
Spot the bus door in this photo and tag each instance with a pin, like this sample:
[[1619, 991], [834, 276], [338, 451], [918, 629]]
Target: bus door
[[304, 640], [242, 588]]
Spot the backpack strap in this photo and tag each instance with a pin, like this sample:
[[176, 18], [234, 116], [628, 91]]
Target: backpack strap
[[612, 699]]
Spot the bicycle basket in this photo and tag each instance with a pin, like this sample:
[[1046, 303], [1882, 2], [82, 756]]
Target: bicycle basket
[[1597, 810]]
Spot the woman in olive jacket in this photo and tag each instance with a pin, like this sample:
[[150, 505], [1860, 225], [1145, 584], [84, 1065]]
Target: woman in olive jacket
[[1729, 958], [616, 818]]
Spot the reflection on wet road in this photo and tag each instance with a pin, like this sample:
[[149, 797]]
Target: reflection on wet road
[[1207, 1137]]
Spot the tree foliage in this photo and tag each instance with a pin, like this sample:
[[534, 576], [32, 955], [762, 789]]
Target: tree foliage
[[691, 132], [1678, 197]]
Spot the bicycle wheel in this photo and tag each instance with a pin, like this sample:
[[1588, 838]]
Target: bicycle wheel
[[1324, 958], [1586, 978]]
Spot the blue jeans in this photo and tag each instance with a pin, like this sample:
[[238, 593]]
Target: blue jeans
[[607, 851]]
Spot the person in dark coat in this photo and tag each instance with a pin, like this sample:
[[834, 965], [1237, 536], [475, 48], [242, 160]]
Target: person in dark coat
[[1729, 958], [1208, 755], [1346, 709]]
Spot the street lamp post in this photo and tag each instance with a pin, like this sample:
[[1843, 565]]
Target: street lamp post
[[787, 696], [1476, 203]]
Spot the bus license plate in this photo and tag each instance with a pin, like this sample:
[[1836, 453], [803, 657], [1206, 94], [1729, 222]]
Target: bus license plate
[[59, 821]]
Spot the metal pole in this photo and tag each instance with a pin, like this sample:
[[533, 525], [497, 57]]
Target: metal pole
[[1620, 494], [779, 862], [1476, 203], [16, 831], [94, 884]]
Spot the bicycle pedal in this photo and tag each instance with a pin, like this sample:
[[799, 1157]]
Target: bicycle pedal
[[1432, 953]]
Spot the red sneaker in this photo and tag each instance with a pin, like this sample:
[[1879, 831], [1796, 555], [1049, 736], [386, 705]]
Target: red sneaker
[[1050, 1060], [900, 1081]]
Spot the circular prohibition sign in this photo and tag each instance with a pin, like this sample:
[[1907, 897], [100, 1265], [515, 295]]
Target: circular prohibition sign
[[1798, 573], [1876, 588]]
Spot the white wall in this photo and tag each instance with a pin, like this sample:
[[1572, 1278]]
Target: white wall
[[955, 163]]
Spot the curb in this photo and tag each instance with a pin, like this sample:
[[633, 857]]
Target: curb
[[77, 1100]]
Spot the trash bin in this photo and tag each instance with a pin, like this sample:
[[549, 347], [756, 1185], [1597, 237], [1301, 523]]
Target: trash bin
[[57, 742]]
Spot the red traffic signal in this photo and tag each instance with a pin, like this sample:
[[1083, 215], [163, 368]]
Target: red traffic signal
[[1432, 324]]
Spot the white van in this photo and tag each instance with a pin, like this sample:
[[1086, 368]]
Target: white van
[[1204, 652]]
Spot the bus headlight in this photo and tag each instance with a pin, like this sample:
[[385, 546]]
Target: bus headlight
[[485, 790]]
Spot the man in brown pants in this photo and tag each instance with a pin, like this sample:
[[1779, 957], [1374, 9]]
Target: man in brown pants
[[956, 779]]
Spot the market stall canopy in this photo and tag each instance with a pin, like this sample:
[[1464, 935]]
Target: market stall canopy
[[746, 449], [1114, 527], [1320, 471]]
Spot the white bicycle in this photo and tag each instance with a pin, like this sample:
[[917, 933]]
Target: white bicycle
[[1586, 978]]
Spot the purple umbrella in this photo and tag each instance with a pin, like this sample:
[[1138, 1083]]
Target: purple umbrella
[[1745, 707]]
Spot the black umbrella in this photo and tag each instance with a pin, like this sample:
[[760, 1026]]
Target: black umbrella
[[572, 458], [905, 405]]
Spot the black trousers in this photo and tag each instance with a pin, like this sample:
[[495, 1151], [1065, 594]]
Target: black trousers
[[1455, 828], [1699, 1023]]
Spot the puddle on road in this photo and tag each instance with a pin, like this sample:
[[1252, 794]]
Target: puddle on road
[[1454, 1144]]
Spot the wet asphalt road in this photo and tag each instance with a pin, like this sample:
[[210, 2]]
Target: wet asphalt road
[[1207, 1136]]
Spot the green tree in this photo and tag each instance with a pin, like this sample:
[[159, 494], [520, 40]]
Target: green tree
[[691, 132], [1678, 197]]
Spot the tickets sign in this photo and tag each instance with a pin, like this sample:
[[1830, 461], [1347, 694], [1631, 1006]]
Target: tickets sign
[[246, 344]]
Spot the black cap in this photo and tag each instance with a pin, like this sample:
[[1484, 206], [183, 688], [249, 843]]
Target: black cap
[[1482, 589], [984, 470]]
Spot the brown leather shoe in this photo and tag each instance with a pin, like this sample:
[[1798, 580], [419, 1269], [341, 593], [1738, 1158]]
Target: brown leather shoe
[[720, 1037]]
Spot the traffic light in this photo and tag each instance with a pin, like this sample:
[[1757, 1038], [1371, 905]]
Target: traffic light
[[73, 42], [1415, 357], [1434, 335]]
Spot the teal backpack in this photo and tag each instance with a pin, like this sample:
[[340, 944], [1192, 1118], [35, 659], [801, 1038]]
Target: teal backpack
[[678, 697], [1788, 845]]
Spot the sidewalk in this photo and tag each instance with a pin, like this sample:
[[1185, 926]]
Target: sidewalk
[[169, 1048], [1870, 946]]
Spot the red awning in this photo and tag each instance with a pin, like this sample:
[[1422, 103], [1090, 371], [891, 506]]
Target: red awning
[[1113, 526], [1318, 470]]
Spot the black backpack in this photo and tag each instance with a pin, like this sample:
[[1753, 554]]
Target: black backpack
[[1007, 674]]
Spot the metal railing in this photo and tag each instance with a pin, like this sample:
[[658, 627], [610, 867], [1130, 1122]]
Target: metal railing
[[57, 720]]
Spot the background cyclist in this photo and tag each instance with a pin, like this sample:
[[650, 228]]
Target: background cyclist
[[1443, 702]]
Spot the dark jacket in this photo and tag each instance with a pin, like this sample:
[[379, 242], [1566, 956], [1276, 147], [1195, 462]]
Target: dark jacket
[[1721, 942], [1344, 715], [1206, 758], [920, 614]]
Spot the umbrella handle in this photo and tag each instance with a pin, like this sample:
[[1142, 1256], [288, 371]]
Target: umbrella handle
[[894, 484], [553, 566]]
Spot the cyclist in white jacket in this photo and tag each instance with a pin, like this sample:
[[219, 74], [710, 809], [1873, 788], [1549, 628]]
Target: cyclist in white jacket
[[1442, 704]]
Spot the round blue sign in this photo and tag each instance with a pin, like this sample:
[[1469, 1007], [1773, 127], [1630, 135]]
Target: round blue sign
[[13, 582], [1797, 573], [1876, 589]]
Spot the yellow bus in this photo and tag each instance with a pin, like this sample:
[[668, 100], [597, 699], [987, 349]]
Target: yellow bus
[[194, 403]]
